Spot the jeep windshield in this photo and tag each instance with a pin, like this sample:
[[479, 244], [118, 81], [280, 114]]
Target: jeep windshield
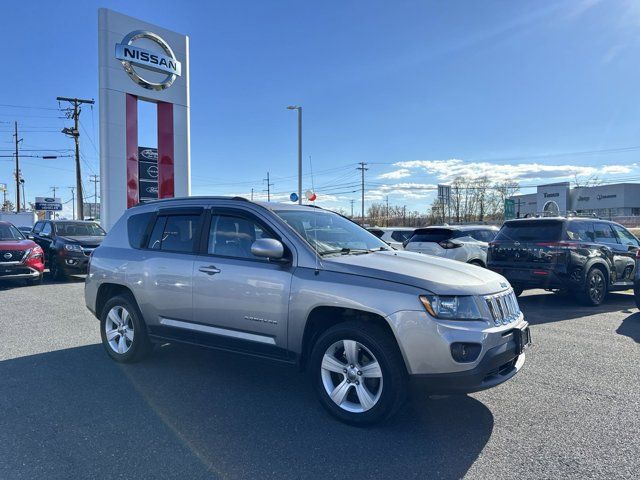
[[329, 233], [79, 229]]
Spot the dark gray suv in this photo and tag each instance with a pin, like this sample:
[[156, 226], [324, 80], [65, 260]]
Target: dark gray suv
[[309, 287]]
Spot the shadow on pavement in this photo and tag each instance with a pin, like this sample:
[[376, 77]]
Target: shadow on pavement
[[193, 413], [630, 327], [549, 307]]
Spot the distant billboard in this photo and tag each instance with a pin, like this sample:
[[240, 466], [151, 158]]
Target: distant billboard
[[91, 210], [48, 204]]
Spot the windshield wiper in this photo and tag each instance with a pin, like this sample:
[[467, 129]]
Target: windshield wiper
[[345, 251]]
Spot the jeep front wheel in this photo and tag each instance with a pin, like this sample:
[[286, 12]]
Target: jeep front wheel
[[358, 373]]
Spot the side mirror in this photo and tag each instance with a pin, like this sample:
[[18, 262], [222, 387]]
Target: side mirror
[[42, 234], [268, 248]]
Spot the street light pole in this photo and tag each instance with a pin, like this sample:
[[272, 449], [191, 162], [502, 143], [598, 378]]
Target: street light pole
[[299, 109]]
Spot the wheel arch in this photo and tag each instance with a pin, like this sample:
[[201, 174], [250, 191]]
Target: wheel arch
[[323, 317], [601, 265], [110, 290]]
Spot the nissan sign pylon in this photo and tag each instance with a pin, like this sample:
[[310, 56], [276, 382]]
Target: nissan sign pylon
[[138, 61]]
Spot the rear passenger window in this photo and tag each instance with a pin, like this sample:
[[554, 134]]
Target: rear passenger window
[[604, 233], [137, 227], [580, 231], [175, 233]]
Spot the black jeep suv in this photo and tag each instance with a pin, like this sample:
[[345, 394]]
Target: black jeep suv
[[587, 256], [67, 245]]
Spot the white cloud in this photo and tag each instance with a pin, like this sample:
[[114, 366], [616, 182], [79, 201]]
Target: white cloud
[[615, 169], [396, 174], [447, 170]]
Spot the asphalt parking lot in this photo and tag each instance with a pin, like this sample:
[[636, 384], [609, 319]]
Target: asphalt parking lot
[[70, 412]]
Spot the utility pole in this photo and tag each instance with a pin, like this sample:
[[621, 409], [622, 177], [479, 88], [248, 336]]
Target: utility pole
[[299, 109], [362, 169], [352, 202], [252, 194], [73, 204], [18, 140], [269, 185], [95, 180], [52, 214], [75, 133], [387, 210]]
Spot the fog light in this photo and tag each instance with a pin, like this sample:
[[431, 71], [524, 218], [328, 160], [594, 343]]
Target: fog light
[[465, 352], [71, 262]]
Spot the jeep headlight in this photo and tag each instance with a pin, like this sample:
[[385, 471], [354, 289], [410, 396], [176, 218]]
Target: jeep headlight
[[451, 307], [72, 247]]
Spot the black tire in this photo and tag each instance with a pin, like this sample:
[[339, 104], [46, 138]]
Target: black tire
[[378, 342], [140, 345], [595, 287], [517, 290], [55, 271], [35, 281]]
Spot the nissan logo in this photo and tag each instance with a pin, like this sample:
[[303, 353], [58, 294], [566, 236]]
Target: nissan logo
[[7, 256], [152, 171], [131, 55]]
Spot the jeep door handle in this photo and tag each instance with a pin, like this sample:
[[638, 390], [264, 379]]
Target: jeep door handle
[[210, 270]]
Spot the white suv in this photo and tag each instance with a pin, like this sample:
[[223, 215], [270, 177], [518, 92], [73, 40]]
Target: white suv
[[468, 243], [393, 236]]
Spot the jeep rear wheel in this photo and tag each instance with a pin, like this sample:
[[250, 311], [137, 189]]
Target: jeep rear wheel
[[358, 373], [123, 331]]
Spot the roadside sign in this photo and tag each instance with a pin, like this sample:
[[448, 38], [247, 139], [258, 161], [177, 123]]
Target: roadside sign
[[509, 209], [3, 187], [444, 193], [48, 203]]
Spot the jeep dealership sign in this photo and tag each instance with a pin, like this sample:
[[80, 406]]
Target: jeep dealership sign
[[138, 61]]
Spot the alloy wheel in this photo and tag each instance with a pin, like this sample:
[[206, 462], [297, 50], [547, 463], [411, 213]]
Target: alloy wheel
[[596, 286], [119, 329], [352, 376]]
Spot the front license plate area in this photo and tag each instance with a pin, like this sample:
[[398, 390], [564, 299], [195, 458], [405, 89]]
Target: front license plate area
[[523, 339]]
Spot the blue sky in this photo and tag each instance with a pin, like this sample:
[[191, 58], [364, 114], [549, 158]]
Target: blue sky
[[421, 91]]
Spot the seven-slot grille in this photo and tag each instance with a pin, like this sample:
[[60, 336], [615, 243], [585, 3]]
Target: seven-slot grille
[[7, 256], [503, 307]]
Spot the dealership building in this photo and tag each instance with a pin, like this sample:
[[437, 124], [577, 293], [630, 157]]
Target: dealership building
[[605, 201]]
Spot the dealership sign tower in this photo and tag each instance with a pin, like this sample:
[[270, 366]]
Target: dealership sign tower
[[138, 61]]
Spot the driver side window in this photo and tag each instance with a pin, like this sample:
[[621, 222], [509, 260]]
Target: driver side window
[[46, 230]]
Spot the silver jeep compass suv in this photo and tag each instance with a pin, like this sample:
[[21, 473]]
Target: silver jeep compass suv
[[309, 287]]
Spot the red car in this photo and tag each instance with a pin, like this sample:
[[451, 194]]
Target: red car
[[20, 258]]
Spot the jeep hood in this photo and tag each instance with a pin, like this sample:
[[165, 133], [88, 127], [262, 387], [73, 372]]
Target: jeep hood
[[437, 275]]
